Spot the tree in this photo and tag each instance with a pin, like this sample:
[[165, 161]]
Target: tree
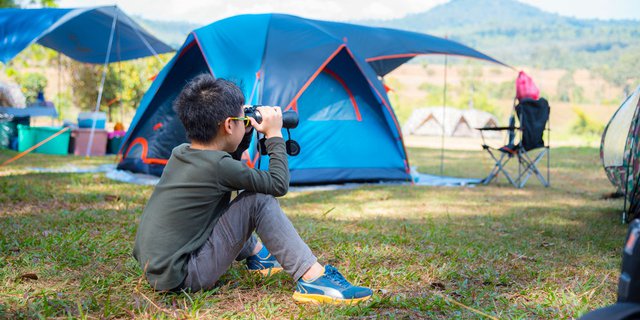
[[472, 93], [568, 90], [25, 3], [32, 85], [125, 83], [8, 4], [623, 72]]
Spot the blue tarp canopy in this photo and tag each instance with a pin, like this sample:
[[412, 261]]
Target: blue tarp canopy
[[82, 34], [328, 72], [386, 49]]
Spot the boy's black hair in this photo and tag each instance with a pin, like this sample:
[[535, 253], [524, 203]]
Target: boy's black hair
[[204, 103]]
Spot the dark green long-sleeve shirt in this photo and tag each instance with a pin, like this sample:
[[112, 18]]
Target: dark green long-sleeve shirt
[[192, 194]]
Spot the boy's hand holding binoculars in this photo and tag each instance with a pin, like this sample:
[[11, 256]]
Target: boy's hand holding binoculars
[[271, 124]]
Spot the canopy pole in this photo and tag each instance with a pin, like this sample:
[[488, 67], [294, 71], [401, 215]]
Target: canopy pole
[[626, 183], [59, 84], [104, 76], [121, 88], [444, 106]]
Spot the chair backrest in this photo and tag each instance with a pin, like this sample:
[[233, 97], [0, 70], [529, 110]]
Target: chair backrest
[[533, 116]]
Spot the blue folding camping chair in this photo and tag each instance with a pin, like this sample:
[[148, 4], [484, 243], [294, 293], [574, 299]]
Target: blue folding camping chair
[[533, 118]]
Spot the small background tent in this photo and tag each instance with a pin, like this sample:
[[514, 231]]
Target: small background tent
[[456, 122], [328, 72], [619, 152]]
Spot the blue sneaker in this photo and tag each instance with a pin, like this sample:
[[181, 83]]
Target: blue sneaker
[[263, 262], [331, 287]]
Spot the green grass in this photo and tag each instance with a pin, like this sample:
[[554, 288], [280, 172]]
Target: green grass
[[430, 252]]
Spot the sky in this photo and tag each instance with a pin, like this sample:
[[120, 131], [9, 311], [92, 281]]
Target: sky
[[207, 11]]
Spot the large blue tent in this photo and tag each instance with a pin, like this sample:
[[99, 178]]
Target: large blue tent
[[82, 34], [330, 73]]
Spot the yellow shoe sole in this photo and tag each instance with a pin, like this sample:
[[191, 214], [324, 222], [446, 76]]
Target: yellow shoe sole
[[322, 299], [267, 272]]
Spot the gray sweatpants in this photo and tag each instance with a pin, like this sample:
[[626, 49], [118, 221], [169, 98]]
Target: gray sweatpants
[[232, 239]]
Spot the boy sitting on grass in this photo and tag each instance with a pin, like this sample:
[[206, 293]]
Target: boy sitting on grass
[[190, 232]]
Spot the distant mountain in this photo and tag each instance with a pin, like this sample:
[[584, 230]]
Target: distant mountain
[[508, 30], [172, 33], [521, 34]]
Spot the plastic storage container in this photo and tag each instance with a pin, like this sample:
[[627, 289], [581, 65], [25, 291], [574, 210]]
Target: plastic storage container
[[85, 119], [58, 145], [115, 140], [7, 130], [81, 137], [26, 137], [113, 146]]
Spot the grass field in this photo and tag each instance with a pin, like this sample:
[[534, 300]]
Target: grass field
[[430, 252]]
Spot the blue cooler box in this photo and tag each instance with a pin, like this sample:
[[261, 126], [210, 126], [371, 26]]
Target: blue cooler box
[[85, 119]]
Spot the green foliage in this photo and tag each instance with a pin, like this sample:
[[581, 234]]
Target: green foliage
[[8, 4], [503, 90], [472, 92], [32, 84], [86, 80], [22, 3], [623, 71], [401, 108], [64, 105], [125, 83], [434, 94], [34, 56], [585, 125], [568, 90], [47, 3]]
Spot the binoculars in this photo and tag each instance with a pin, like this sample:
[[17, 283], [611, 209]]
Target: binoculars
[[289, 118], [289, 121]]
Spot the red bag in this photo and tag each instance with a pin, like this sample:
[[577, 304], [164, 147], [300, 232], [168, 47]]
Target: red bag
[[525, 88]]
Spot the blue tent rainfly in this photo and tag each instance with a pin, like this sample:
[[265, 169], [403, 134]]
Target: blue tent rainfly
[[82, 34], [329, 72]]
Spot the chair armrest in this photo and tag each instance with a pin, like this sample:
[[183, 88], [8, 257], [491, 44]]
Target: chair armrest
[[497, 128]]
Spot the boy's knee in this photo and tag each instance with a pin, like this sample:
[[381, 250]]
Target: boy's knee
[[258, 198], [265, 199], [265, 204]]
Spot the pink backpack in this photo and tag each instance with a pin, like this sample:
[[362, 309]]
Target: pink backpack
[[525, 88]]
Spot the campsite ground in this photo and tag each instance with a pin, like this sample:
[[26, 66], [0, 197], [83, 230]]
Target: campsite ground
[[430, 252]]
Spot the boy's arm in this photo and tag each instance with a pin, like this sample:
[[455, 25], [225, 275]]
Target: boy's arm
[[238, 176]]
